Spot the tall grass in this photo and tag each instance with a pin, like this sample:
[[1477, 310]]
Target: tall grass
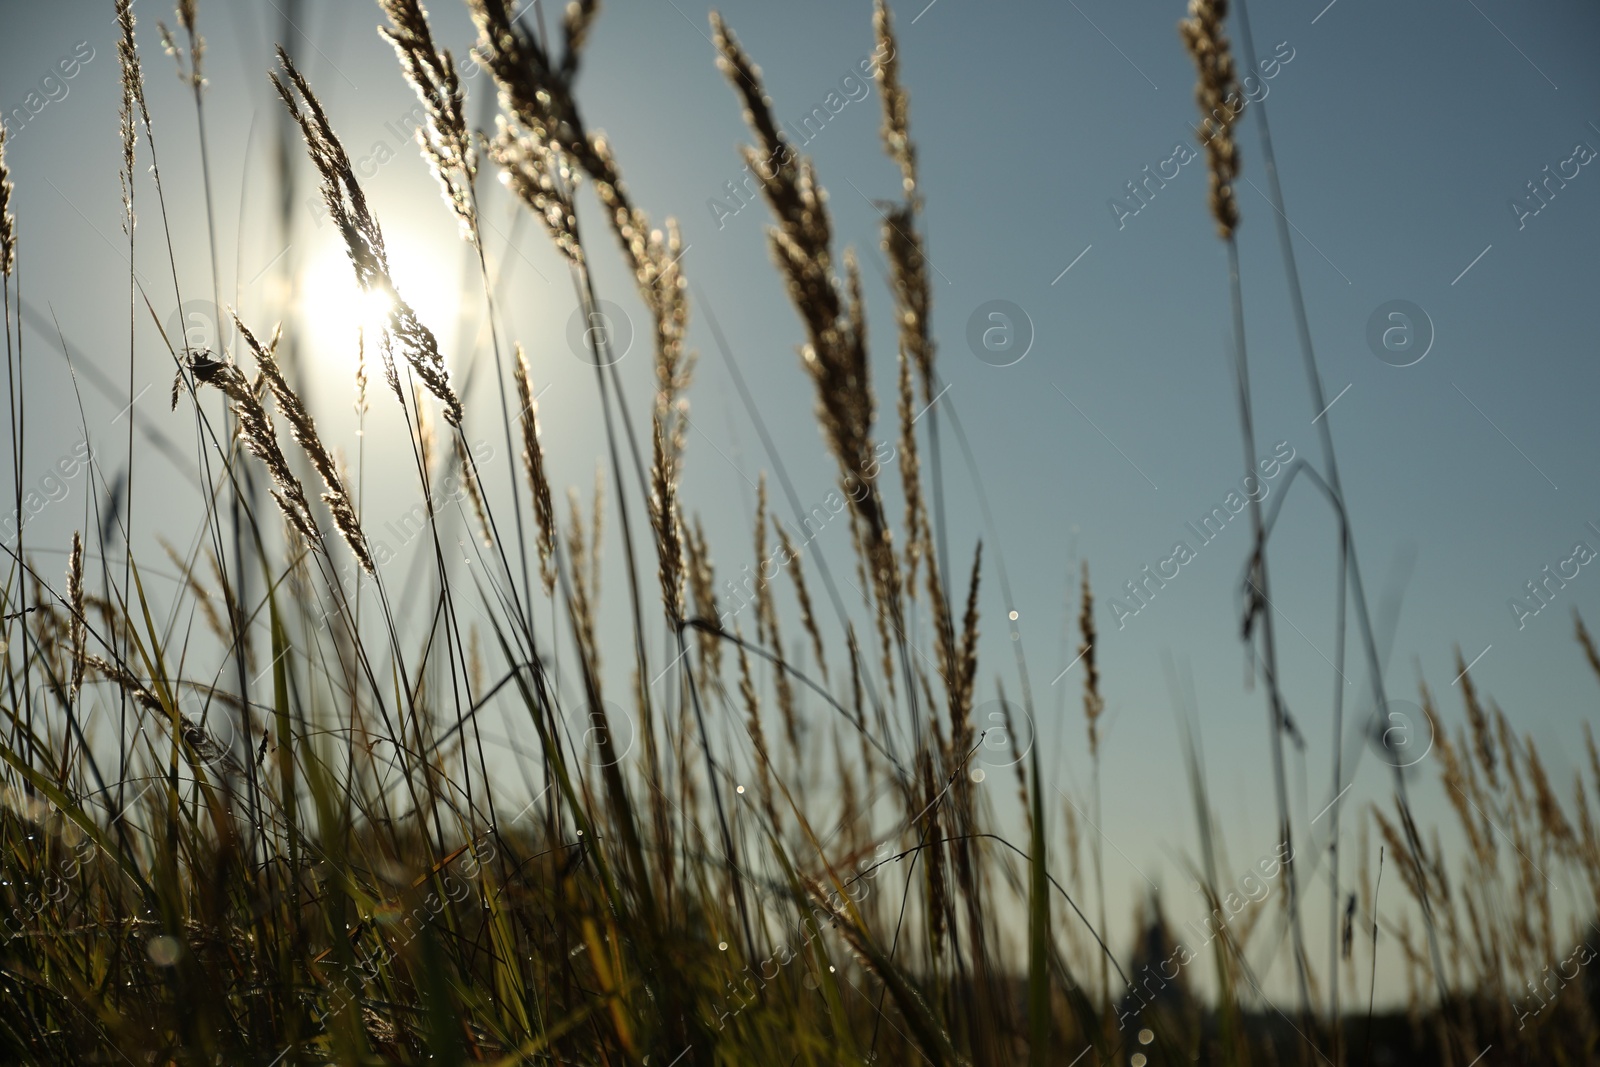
[[294, 848]]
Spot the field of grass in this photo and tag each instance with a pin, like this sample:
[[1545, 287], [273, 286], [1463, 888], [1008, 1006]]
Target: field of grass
[[258, 822]]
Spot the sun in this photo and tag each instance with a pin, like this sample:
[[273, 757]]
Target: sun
[[334, 309]]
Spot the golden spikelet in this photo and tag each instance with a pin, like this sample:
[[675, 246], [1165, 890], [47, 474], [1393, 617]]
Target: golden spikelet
[[443, 138], [808, 619], [347, 206], [664, 517], [194, 75], [966, 660], [75, 605], [1508, 748], [758, 736], [1552, 820], [8, 222], [1093, 702], [908, 270], [1410, 874], [1217, 93], [908, 267], [543, 180], [544, 512], [137, 691], [532, 149], [835, 355], [657, 269], [255, 429], [910, 476], [304, 431], [896, 104], [1454, 776]]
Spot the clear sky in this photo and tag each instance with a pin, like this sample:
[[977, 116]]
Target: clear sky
[[1405, 133]]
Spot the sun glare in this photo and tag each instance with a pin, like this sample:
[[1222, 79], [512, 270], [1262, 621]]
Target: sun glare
[[333, 307]]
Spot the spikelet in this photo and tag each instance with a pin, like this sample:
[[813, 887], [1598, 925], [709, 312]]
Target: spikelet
[[583, 599], [908, 266], [1093, 702], [835, 355], [347, 206], [1409, 872], [1508, 748], [530, 146], [758, 736], [542, 179], [133, 105], [760, 536], [966, 662], [304, 431], [655, 259], [361, 375], [1482, 739], [902, 242], [137, 691], [702, 586], [194, 74], [808, 619], [8, 222], [1551, 818], [533, 148], [469, 479], [76, 627], [896, 104], [544, 512], [664, 517], [255, 428], [1454, 776], [910, 477], [767, 628], [444, 140], [427, 440], [1217, 93]]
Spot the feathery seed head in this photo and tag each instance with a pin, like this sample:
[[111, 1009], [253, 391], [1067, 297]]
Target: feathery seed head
[[8, 222], [347, 206], [444, 139], [544, 512], [1217, 93]]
